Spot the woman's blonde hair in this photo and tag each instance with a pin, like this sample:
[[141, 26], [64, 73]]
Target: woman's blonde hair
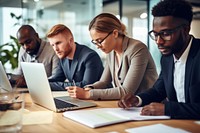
[[106, 22]]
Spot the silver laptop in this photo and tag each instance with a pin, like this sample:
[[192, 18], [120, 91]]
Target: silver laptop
[[4, 82], [40, 91]]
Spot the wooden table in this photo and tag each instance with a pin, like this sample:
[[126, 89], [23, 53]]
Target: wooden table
[[64, 125]]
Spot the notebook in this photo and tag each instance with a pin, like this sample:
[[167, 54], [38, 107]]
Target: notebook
[[106, 116], [40, 91], [4, 82]]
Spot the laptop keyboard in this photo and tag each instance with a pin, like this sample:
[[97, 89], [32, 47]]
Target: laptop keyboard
[[63, 104]]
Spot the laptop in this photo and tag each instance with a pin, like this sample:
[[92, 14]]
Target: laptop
[[40, 91], [4, 82]]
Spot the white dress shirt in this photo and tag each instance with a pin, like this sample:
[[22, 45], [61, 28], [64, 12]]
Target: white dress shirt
[[179, 74]]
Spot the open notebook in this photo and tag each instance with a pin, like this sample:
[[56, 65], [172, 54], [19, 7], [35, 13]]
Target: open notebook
[[40, 91], [106, 116]]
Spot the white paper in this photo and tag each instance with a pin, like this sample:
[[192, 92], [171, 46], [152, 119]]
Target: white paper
[[134, 114], [10, 117], [106, 116], [157, 128], [37, 117], [93, 118], [197, 122]]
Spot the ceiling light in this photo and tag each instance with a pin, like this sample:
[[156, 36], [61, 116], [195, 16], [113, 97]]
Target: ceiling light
[[25, 1], [143, 15]]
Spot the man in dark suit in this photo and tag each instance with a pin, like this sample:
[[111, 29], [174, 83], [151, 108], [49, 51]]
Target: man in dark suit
[[177, 90], [78, 65]]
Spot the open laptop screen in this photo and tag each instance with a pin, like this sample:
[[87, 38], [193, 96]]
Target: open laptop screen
[[4, 82], [40, 90]]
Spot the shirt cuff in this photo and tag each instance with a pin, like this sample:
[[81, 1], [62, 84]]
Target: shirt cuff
[[139, 102], [88, 87]]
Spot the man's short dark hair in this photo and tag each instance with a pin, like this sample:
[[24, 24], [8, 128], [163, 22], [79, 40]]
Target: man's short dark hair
[[28, 27], [176, 8]]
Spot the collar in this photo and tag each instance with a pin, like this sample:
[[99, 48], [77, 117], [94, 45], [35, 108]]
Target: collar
[[125, 43], [77, 51], [184, 56]]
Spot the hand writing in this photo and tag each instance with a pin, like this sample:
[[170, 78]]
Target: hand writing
[[128, 101]]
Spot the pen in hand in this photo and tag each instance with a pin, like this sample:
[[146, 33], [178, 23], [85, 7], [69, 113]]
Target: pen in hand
[[74, 84], [72, 89], [16, 97]]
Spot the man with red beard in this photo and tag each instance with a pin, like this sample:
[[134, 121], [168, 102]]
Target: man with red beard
[[179, 80], [78, 65]]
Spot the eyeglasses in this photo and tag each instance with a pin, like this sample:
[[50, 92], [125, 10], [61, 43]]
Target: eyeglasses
[[99, 42], [166, 35]]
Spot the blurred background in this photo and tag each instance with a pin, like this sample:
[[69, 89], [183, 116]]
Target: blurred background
[[76, 14]]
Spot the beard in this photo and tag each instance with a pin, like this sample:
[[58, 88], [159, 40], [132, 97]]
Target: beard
[[35, 50], [66, 52], [178, 46]]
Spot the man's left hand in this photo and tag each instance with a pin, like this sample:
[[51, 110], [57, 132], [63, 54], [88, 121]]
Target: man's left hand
[[153, 109]]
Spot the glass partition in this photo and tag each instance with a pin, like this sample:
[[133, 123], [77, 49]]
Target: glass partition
[[152, 44], [43, 14], [76, 14]]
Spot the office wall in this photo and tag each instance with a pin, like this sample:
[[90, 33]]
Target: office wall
[[195, 26], [77, 14], [1, 27], [42, 15]]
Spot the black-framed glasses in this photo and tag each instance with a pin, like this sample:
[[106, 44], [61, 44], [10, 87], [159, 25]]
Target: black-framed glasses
[[166, 35], [99, 42]]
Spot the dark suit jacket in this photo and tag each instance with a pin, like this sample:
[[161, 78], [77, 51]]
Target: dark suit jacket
[[86, 68], [164, 88]]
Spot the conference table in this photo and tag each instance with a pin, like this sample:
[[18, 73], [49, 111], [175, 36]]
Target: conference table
[[61, 124]]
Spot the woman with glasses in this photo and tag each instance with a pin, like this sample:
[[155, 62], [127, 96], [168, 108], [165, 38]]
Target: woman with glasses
[[129, 65]]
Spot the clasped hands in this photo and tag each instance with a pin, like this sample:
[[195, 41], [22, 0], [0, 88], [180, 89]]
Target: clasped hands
[[77, 92], [153, 108]]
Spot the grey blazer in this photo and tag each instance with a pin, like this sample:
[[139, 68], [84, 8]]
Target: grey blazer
[[136, 73]]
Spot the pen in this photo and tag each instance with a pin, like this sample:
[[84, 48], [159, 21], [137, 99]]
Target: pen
[[16, 97], [74, 84]]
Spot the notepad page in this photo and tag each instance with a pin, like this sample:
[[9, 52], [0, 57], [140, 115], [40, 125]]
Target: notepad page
[[134, 114], [94, 118], [106, 116]]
